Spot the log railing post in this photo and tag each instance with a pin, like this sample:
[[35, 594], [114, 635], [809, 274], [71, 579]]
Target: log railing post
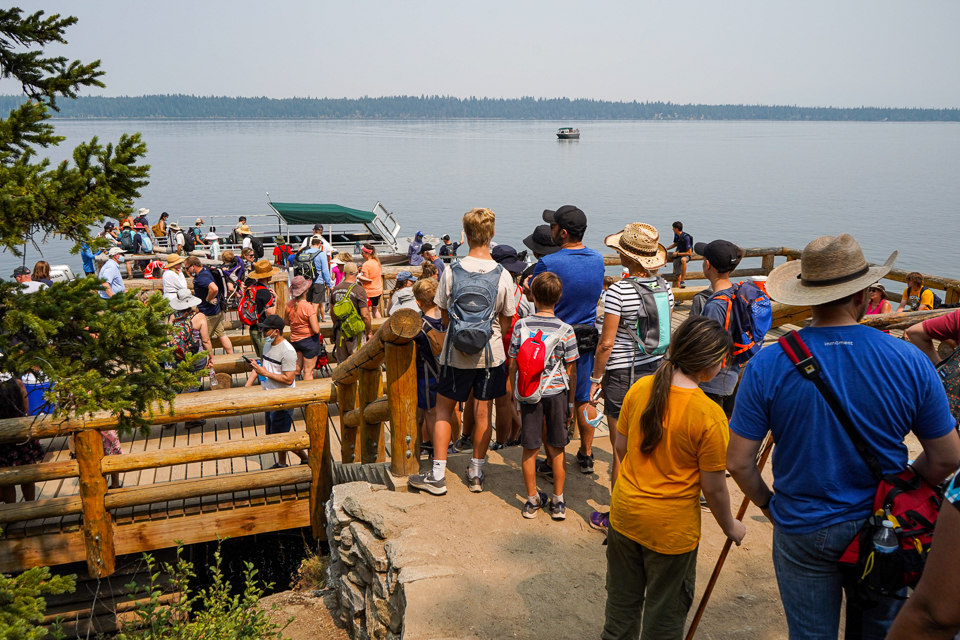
[[951, 295], [371, 433], [767, 263], [347, 400], [280, 288], [321, 466], [97, 523], [402, 395]]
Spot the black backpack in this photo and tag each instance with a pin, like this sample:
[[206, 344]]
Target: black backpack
[[937, 300], [189, 241], [257, 245], [303, 264]]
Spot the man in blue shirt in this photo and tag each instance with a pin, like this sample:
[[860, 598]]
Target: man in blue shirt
[[581, 272], [317, 294], [683, 243], [110, 273], [428, 254], [823, 490], [206, 288]]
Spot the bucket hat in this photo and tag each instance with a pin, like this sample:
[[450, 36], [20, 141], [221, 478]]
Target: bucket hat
[[183, 300], [506, 256], [263, 269], [143, 211], [300, 284], [211, 236], [641, 243], [174, 226], [173, 259], [541, 241], [830, 268]]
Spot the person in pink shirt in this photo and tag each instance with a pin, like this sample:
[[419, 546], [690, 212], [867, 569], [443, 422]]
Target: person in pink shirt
[[944, 328]]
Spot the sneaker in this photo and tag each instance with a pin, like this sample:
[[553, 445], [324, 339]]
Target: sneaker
[[600, 521], [496, 446], [451, 450], [558, 510], [426, 448], [464, 444], [514, 443], [530, 510], [475, 484], [585, 462], [544, 470], [277, 465], [683, 285], [426, 482]]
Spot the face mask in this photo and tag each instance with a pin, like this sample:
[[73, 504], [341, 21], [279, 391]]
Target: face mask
[[122, 259], [267, 341]]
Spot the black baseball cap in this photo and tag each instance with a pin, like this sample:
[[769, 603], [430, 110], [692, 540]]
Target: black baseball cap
[[272, 322], [426, 247], [567, 217], [318, 227], [722, 255], [21, 271], [541, 241], [506, 256]]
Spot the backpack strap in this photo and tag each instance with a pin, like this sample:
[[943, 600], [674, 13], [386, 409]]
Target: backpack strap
[[810, 369]]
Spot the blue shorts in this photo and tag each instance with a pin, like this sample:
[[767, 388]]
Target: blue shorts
[[426, 393], [278, 421], [584, 371]]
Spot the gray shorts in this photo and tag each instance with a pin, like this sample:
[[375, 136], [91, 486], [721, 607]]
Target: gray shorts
[[677, 261], [317, 293], [617, 382]]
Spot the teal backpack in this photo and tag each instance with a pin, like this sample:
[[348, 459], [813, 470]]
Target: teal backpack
[[651, 330]]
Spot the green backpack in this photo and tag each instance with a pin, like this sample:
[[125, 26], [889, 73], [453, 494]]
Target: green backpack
[[351, 322]]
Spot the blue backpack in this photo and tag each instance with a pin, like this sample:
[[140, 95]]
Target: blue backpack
[[473, 310], [749, 318], [146, 242]]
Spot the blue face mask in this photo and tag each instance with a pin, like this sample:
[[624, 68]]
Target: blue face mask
[[122, 259], [267, 341]]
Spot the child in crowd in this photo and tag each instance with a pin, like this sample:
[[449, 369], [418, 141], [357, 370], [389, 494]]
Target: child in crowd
[[468, 362], [607, 281], [551, 412], [429, 344], [232, 271]]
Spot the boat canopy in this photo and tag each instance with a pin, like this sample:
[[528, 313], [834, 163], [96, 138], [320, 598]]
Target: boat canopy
[[301, 213]]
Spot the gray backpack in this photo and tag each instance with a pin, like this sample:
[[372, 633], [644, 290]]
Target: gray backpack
[[473, 309], [651, 331]]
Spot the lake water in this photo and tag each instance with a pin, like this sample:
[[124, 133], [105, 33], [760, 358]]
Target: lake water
[[891, 185]]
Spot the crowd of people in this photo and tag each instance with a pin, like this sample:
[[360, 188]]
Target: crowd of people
[[526, 348]]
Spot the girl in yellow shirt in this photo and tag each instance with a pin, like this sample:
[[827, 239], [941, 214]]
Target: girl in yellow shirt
[[672, 441]]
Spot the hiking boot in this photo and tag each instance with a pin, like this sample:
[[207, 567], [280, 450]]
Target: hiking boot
[[475, 484], [464, 444], [585, 462], [558, 510], [530, 510], [600, 521], [544, 470], [426, 482]]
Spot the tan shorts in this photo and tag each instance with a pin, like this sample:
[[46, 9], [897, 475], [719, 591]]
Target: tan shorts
[[215, 325]]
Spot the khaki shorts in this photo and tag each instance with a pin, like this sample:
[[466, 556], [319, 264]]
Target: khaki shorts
[[215, 325]]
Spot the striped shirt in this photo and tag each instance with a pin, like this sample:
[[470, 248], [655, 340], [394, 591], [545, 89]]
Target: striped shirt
[[566, 349], [623, 300]]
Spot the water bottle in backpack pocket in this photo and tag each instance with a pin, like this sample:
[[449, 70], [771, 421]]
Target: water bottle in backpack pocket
[[473, 308]]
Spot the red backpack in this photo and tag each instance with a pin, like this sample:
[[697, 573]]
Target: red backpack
[[508, 335], [247, 311], [532, 357]]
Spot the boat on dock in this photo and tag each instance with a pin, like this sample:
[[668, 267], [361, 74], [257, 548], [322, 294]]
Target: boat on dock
[[568, 133]]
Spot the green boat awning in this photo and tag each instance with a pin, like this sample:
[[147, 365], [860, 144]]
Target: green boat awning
[[300, 213]]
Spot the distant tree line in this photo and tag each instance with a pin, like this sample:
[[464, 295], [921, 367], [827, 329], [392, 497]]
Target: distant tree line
[[443, 107]]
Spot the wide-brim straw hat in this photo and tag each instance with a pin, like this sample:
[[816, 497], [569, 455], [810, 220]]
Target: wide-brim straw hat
[[830, 268], [244, 230], [299, 286], [263, 269], [639, 242], [173, 259]]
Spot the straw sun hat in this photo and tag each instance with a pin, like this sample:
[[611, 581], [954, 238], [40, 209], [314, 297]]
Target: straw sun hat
[[263, 269], [173, 259], [639, 242], [830, 268]]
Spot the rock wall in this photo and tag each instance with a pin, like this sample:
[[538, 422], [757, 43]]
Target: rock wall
[[375, 554]]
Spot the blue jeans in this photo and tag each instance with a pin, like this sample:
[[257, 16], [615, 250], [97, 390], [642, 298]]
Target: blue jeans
[[811, 586]]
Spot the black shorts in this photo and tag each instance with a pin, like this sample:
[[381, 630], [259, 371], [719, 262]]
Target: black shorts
[[317, 293], [486, 384], [309, 347], [555, 411], [616, 383], [375, 301]]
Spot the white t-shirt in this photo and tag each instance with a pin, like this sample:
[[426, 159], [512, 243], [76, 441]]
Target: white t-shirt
[[326, 247], [623, 300], [173, 281], [31, 287], [505, 305], [247, 243], [279, 358]]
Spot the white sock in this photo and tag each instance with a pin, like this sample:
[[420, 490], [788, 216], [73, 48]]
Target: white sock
[[557, 498], [534, 500], [439, 469], [476, 467]]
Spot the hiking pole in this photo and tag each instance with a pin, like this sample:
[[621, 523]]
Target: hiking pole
[[761, 462]]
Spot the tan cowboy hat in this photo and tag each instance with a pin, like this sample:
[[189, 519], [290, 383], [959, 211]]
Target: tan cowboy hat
[[830, 268], [173, 259], [263, 269], [243, 230], [639, 242]]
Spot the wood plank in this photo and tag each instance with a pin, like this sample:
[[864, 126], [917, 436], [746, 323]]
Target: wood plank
[[97, 523]]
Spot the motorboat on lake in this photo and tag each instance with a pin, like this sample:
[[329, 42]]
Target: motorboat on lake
[[568, 133]]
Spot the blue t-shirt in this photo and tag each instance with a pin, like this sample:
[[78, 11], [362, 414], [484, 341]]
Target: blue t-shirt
[[321, 265], [110, 273], [201, 289], [888, 388], [581, 272], [89, 263]]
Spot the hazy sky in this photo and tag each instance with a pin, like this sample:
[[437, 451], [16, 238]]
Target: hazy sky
[[812, 53]]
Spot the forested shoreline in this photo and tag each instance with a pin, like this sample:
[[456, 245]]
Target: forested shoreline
[[446, 107]]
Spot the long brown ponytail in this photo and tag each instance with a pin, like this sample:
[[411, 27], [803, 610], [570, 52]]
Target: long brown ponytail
[[698, 344]]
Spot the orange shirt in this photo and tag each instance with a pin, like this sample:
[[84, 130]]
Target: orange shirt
[[656, 501], [298, 317], [371, 269]]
